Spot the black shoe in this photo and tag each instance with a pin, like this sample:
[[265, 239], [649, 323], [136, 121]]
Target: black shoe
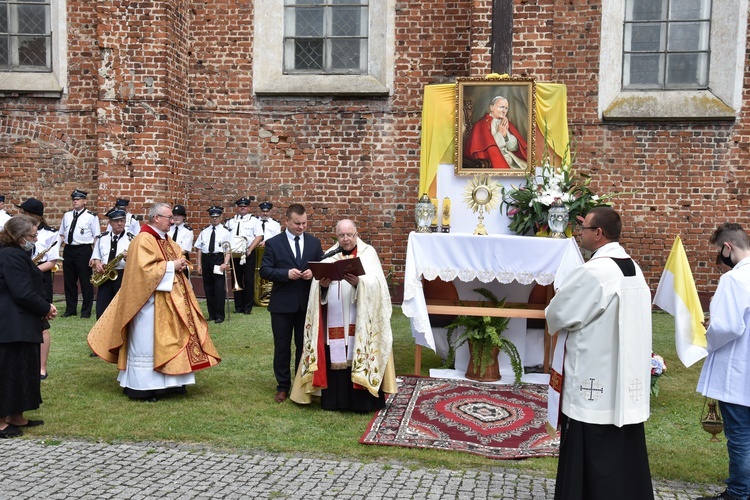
[[93, 355], [44, 376], [237, 311], [210, 318], [31, 423], [220, 320], [10, 432], [722, 496], [85, 315], [248, 312], [68, 314]]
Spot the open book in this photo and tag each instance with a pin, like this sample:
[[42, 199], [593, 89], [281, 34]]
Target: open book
[[337, 269]]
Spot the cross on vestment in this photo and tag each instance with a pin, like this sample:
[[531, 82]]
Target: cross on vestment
[[636, 390], [594, 387]]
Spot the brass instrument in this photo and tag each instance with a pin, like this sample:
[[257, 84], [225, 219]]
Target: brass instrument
[[262, 291], [38, 257], [108, 273], [226, 247]]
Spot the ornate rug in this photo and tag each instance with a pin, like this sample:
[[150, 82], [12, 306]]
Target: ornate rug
[[496, 421]]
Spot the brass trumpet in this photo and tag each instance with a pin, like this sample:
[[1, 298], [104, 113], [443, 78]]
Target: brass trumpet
[[263, 287], [227, 248]]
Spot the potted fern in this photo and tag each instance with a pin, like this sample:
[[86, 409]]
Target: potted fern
[[485, 337]]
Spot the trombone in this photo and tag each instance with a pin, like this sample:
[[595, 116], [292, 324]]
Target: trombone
[[227, 249]]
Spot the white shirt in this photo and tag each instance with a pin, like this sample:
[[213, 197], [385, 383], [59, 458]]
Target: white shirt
[[45, 239], [184, 237], [87, 227], [3, 218], [204, 238], [104, 243], [290, 238], [726, 372], [270, 229]]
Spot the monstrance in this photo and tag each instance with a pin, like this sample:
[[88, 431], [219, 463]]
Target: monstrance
[[481, 194]]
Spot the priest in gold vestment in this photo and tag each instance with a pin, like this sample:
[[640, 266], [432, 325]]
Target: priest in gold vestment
[[347, 356], [154, 329]]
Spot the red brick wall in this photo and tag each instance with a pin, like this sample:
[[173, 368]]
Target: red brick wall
[[160, 107]]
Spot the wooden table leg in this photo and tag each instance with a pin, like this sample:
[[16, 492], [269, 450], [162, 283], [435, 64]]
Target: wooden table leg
[[417, 360]]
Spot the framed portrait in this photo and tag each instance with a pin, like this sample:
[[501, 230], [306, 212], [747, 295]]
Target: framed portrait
[[494, 129]]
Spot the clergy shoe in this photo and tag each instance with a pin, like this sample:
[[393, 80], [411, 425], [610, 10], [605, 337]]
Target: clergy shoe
[[220, 320], [281, 396], [10, 432]]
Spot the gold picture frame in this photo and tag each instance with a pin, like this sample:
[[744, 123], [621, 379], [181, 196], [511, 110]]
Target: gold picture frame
[[487, 146]]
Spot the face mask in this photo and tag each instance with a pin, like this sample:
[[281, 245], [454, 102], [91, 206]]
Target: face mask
[[727, 261], [28, 245]]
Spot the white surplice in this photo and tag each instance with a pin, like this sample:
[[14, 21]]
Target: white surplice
[[607, 365]]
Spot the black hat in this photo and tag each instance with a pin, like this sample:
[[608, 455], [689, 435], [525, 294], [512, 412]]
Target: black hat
[[78, 194], [244, 201], [122, 203], [116, 213], [33, 206], [2, 198], [179, 210], [266, 206], [215, 211]]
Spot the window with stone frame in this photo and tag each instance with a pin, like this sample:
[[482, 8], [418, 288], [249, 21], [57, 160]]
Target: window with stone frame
[[661, 59], [325, 36], [25, 35], [666, 44], [324, 47], [32, 47]]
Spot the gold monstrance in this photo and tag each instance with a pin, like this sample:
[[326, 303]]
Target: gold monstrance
[[481, 194]]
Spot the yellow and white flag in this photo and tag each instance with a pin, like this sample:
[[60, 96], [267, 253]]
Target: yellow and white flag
[[677, 295]]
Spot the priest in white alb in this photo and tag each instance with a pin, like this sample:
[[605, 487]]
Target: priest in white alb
[[347, 356], [603, 313], [154, 329]]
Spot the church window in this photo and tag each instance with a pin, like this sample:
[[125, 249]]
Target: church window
[[666, 44], [325, 36], [33, 47]]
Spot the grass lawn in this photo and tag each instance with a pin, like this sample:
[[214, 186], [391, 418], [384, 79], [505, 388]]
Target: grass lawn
[[232, 407]]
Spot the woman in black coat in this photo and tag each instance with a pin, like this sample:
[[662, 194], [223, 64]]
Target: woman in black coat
[[24, 311]]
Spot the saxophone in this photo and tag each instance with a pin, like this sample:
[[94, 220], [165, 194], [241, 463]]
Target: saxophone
[[108, 273], [38, 257]]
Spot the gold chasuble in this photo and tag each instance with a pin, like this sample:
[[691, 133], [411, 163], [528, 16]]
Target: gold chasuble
[[181, 341]]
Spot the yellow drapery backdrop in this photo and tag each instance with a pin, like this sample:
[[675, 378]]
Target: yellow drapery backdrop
[[438, 126]]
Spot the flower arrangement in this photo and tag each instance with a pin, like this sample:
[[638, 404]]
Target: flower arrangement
[[658, 367], [528, 204]]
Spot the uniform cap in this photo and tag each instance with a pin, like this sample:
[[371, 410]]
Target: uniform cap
[[2, 198], [266, 206], [179, 210], [244, 201], [78, 194], [215, 211], [122, 203], [116, 213], [33, 206]]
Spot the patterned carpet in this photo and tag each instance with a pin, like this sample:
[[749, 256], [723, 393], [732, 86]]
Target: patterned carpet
[[496, 421]]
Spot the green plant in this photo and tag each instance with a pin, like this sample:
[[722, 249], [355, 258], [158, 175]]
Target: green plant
[[484, 332]]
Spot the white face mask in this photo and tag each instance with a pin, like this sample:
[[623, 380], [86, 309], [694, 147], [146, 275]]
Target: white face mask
[[28, 245]]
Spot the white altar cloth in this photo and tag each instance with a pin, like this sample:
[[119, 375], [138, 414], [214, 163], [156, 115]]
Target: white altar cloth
[[466, 257]]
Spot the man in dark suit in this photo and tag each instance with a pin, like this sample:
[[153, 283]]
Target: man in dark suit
[[285, 264]]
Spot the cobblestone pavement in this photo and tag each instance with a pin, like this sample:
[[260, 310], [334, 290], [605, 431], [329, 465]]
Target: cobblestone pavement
[[76, 469]]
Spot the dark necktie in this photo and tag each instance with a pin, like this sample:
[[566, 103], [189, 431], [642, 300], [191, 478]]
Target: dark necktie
[[174, 235], [212, 240], [263, 227], [113, 248], [239, 221], [73, 227], [297, 250]]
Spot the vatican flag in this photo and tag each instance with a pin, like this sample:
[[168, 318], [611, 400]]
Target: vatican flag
[[677, 295]]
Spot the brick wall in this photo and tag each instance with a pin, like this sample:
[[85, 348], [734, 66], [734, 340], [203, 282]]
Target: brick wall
[[160, 107]]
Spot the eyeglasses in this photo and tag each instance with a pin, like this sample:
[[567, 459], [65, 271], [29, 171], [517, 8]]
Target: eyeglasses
[[593, 228], [35, 235], [165, 216], [346, 235]]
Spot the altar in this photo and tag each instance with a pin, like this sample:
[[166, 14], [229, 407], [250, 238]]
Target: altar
[[509, 265]]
